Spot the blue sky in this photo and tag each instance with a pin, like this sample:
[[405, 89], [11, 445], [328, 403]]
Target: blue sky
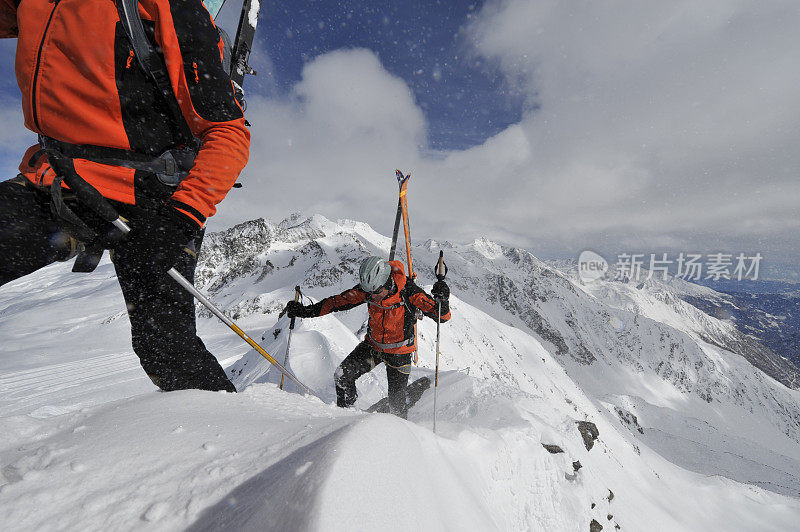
[[618, 127], [464, 99]]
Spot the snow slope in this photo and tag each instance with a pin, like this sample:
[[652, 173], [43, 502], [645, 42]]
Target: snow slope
[[636, 348], [89, 444]]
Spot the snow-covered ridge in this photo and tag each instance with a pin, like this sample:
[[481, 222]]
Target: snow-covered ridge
[[628, 344], [529, 353]]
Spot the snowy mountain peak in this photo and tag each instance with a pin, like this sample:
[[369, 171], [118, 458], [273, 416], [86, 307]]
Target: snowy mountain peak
[[487, 248], [434, 245], [293, 219]]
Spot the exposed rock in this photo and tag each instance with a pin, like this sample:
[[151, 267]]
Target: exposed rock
[[610, 496], [552, 449], [629, 419], [589, 433], [576, 465], [594, 526]]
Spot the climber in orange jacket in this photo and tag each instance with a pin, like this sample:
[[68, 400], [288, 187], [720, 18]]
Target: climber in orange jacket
[[393, 300], [89, 100]]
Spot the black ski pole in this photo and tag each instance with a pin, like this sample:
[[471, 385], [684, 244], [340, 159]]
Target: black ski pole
[[89, 195], [440, 275], [289, 340]]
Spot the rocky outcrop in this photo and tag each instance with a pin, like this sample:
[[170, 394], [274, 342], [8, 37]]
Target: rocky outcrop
[[589, 433]]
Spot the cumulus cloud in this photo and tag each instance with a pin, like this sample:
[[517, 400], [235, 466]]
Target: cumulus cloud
[[655, 119], [331, 147], [658, 126]]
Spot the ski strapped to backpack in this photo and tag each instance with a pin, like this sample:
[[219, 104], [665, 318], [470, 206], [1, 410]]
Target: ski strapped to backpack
[[402, 181], [236, 56], [243, 43], [402, 210], [406, 222]]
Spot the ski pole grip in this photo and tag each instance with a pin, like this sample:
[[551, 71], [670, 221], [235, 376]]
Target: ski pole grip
[[440, 275], [296, 298], [85, 192]]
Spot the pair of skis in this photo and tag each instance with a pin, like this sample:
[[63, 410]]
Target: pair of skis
[[402, 213], [416, 388]]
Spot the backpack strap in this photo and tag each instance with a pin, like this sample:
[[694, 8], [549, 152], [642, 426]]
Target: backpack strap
[[407, 341], [146, 55], [405, 297]]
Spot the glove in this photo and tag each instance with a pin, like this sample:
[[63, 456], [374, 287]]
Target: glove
[[295, 309], [157, 240], [440, 291]]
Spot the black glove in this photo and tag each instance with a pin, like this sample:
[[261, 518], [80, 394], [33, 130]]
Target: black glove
[[440, 291], [295, 309], [157, 240]]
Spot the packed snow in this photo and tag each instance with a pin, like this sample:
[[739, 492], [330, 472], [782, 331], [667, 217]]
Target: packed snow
[[691, 435]]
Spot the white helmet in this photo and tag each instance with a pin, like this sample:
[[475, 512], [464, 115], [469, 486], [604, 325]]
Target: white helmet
[[374, 273]]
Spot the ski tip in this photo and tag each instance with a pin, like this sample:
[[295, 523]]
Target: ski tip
[[402, 178]]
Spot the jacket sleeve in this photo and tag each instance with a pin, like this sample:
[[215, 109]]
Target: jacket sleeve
[[193, 54], [427, 304], [344, 301], [8, 19]]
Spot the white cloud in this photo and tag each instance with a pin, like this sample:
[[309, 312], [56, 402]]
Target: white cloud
[[655, 119], [650, 123], [332, 146], [14, 138]]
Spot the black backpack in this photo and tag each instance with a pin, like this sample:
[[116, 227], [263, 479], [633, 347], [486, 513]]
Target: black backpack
[[153, 64]]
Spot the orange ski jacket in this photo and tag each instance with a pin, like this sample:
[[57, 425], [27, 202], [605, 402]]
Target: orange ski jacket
[[391, 321], [81, 84]]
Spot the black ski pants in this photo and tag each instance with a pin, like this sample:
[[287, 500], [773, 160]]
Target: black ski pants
[[362, 360], [161, 313]]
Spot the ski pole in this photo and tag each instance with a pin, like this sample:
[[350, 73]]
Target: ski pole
[[439, 277], [235, 328], [89, 195], [289, 340]]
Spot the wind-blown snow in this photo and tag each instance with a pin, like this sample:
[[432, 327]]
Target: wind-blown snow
[[89, 444]]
